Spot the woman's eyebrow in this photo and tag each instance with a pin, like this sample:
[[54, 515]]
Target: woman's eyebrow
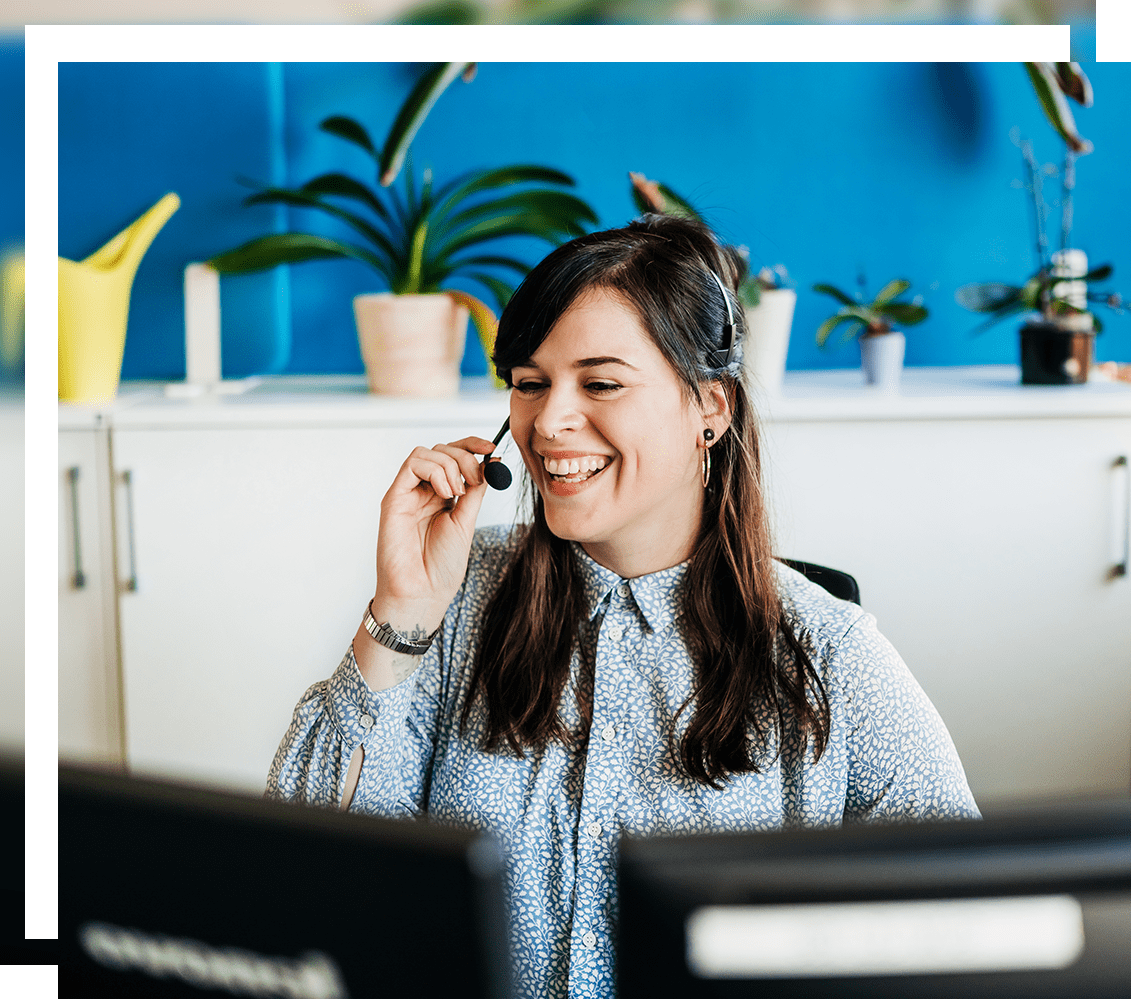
[[585, 362], [593, 362]]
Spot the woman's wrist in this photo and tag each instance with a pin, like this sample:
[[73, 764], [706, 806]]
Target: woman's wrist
[[413, 620], [415, 643]]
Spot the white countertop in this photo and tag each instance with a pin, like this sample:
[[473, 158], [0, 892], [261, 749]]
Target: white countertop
[[977, 392], [959, 393]]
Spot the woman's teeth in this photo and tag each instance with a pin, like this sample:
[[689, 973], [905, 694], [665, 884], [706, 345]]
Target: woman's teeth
[[575, 469]]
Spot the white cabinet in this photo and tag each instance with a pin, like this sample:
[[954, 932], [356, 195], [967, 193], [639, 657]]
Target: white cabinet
[[89, 681], [983, 548], [977, 517], [11, 571], [252, 558]]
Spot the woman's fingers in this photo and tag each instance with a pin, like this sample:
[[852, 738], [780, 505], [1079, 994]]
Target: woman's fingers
[[448, 468], [467, 461], [476, 444]]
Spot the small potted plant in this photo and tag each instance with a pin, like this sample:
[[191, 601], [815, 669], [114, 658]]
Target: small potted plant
[[881, 345], [1058, 337], [417, 241], [767, 299]]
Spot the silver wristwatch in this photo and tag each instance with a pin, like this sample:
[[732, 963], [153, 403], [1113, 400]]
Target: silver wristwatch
[[391, 639]]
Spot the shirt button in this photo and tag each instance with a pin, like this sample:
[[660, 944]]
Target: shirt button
[[594, 829], [623, 589], [608, 733], [616, 632], [366, 721], [590, 939]]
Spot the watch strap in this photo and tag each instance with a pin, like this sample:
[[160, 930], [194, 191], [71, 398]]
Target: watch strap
[[385, 635]]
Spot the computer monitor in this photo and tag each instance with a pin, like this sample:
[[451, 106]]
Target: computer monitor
[[1033, 904], [167, 890]]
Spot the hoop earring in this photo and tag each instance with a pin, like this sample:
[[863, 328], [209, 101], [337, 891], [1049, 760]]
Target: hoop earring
[[708, 435]]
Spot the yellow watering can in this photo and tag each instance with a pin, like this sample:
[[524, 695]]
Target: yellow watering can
[[94, 304], [11, 309]]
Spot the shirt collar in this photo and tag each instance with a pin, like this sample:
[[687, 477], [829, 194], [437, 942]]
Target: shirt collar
[[656, 595]]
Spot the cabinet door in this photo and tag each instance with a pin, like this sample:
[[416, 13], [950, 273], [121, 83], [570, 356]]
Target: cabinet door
[[11, 572], [983, 548], [89, 705], [254, 561]]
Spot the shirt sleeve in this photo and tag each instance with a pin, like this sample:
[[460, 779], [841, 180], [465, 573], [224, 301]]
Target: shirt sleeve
[[396, 726], [902, 764], [401, 727]]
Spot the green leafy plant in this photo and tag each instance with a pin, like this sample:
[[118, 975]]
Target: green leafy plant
[[1053, 82], [654, 196], [421, 238], [1040, 293], [872, 318], [1051, 290]]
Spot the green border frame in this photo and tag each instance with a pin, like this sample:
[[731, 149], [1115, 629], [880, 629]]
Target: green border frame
[[48, 45]]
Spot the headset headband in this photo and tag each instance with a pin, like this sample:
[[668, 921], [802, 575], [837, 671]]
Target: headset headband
[[722, 358]]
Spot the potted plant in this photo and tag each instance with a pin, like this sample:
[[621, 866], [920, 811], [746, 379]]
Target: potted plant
[[417, 241], [881, 345], [1058, 338], [767, 299]]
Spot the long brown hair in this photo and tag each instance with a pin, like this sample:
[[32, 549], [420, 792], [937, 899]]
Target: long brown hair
[[752, 674]]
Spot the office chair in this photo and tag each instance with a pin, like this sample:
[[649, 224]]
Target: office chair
[[839, 584]]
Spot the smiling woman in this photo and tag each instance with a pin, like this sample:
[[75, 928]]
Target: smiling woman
[[634, 660]]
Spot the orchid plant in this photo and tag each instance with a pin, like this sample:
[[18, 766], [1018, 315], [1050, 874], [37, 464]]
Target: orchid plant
[[1055, 289]]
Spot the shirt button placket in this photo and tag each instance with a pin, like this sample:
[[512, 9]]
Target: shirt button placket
[[590, 846]]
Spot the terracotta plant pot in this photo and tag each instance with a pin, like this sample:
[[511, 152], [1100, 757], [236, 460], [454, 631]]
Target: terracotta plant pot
[[412, 345], [767, 338], [881, 357], [1057, 353]]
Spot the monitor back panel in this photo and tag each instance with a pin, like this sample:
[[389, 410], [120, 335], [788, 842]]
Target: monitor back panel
[[166, 890], [1024, 907]]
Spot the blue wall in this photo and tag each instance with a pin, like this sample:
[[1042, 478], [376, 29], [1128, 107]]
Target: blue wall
[[896, 169], [11, 170]]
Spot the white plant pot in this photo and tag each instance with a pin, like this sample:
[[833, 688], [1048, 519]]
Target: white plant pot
[[767, 339], [882, 359], [412, 345]]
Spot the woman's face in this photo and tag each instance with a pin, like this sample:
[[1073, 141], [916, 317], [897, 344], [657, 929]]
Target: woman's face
[[610, 438]]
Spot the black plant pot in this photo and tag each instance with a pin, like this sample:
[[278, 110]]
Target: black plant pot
[[1053, 355]]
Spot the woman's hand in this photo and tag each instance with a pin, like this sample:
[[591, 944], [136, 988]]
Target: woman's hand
[[427, 523]]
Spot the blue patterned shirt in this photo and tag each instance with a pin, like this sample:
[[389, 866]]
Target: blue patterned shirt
[[561, 811]]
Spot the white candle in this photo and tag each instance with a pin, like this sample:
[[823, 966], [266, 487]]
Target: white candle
[[202, 325]]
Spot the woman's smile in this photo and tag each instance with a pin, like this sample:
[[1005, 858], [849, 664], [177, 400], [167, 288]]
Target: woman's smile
[[570, 471]]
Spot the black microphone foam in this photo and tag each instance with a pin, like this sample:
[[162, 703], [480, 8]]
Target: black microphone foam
[[497, 474]]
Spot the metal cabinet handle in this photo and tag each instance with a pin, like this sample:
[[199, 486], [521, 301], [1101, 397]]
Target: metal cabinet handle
[[1121, 521], [131, 583], [78, 579]]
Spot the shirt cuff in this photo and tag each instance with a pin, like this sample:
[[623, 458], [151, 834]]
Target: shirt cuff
[[359, 712]]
